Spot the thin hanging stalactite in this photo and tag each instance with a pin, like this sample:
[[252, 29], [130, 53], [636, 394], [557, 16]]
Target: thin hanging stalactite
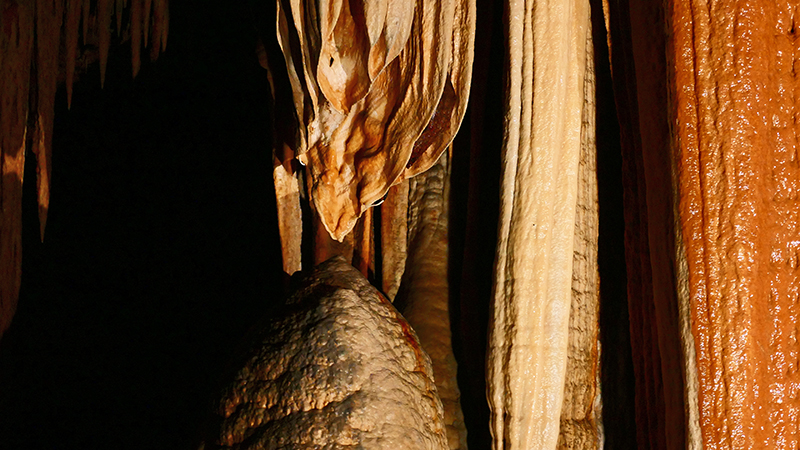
[[31, 40], [16, 53], [49, 15]]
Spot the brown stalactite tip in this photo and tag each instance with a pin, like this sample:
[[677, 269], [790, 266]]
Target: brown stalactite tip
[[118, 14], [49, 15], [71, 31], [85, 10], [104, 34], [136, 36], [156, 31], [146, 21], [394, 231], [165, 27]]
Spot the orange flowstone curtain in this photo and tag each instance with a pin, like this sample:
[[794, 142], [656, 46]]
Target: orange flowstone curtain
[[735, 100]]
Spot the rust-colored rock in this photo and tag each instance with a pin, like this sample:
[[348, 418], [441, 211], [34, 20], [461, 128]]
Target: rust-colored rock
[[337, 368], [736, 101]]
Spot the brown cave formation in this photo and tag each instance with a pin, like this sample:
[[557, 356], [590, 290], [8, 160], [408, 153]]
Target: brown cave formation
[[586, 211], [34, 33]]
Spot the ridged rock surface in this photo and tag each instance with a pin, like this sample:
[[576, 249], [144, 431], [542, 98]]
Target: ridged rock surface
[[529, 324], [338, 368], [736, 107]]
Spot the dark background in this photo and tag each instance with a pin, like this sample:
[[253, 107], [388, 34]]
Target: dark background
[[161, 246]]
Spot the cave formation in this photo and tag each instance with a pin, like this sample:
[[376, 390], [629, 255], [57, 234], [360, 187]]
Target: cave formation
[[164, 243]]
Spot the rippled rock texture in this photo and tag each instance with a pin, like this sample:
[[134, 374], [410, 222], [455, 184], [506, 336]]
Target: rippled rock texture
[[338, 368]]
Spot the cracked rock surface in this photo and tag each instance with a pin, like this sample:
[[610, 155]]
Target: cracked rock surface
[[338, 368]]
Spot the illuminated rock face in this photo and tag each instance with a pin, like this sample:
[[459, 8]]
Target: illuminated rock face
[[379, 91], [529, 327], [339, 368], [736, 105]]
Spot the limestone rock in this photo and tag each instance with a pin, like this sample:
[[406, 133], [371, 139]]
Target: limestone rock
[[338, 368]]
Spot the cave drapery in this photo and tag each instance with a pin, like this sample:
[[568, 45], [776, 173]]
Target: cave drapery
[[691, 224]]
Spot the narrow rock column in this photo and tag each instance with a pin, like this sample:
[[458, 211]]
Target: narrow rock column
[[529, 326], [424, 293], [581, 424], [736, 103]]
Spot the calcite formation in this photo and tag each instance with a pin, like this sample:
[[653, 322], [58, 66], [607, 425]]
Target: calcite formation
[[581, 413], [424, 293], [736, 96], [529, 326], [31, 37], [379, 91], [337, 368]]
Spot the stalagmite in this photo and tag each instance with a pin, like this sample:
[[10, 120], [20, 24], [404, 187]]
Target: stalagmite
[[581, 426], [424, 293], [530, 317], [735, 93], [379, 93], [16, 53], [49, 15], [336, 367]]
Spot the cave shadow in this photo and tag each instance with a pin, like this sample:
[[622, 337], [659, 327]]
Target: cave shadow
[[161, 247]]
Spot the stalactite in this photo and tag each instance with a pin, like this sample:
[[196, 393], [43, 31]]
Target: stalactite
[[86, 8], [165, 26], [49, 15], [529, 325], [381, 108], [46, 17], [136, 35], [104, 35], [73, 18], [146, 21], [581, 426], [16, 52], [118, 15], [290, 217], [363, 256], [394, 229], [157, 31]]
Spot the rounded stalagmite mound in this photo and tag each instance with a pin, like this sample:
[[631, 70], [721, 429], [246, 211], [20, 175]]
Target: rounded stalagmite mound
[[337, 368]]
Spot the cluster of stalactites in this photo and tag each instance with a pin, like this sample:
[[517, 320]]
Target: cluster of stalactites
[[41, 38], [379, 91]]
